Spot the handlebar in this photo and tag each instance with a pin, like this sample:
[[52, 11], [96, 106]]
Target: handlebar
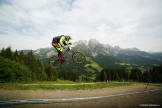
[[67, 47]]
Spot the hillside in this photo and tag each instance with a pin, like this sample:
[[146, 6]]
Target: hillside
[[100, 56]]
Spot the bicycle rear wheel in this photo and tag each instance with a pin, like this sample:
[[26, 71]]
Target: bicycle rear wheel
[[54, 62], [78, 57]]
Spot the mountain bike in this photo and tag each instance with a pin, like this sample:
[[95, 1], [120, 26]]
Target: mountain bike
[[77, 57]]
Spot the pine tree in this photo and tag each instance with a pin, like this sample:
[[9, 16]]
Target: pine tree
[[2, 52], [16, 56], [41, 72], [139, 72], [7, 53], [117, 76], [126, 75], [135, 74], [102, 75], [21, 57], [108, 75], [31, 63], [52, 74], [132, 75], [156, 73]]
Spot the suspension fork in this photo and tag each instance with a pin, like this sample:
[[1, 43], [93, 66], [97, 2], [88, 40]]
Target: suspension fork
[[71, 51], [65, 54]]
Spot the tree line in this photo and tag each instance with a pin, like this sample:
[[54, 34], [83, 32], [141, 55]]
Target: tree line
[[153, 75], [19, 67]]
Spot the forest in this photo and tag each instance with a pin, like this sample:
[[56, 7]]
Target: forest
[[15, 66]]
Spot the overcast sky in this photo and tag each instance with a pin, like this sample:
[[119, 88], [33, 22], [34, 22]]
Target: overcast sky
[[31, 24]]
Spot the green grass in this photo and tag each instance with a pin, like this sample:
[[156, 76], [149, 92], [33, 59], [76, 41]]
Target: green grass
[[93, 64], [123, 64], [56, 82], [18, 86]]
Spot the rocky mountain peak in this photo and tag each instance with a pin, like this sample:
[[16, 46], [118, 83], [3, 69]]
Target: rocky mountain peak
[[135, 49], [93, 41], [92, 44], [83, 42], [96, 47]]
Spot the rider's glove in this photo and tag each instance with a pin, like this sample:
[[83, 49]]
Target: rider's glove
[[64, 47]]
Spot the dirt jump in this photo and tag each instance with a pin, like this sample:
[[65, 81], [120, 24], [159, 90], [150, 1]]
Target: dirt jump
[[132, 96]]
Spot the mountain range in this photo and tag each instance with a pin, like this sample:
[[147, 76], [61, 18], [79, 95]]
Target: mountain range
[[101, 56]]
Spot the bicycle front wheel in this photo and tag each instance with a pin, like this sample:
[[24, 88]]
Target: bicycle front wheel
[[79, 57], [54, 62]]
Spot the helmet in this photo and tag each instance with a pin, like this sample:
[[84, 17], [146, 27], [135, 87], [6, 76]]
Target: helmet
[[67, 37]]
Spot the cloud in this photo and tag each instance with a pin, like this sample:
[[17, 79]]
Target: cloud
[[128, 23]]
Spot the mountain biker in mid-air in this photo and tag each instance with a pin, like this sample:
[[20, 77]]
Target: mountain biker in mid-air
[[61, 41]]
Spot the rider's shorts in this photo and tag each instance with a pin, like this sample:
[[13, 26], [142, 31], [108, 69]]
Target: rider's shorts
[[57, 47]]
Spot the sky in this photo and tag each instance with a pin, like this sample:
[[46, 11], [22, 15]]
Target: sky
[[31, 24]]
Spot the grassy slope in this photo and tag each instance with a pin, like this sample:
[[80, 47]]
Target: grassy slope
[[93, 64]]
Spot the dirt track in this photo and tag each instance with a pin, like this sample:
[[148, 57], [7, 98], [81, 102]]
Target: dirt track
[[136, 100]]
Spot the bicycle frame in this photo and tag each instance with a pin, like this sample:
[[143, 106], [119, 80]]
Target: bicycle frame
[[68, 50], [56, 63]]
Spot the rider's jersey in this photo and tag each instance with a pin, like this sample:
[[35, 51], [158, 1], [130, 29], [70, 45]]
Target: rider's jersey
[[60, 39]]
